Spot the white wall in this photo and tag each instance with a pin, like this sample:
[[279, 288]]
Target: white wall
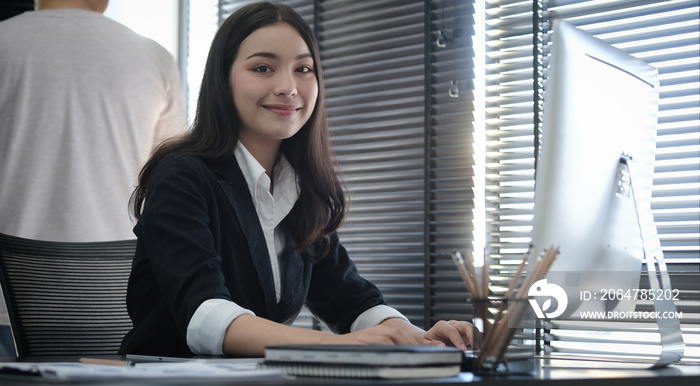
[[156, 19], [159, 20]]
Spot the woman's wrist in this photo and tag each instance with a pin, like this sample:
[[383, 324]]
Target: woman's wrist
[[417, 333]]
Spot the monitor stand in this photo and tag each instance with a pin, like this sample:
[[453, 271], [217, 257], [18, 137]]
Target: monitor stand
[[672, 345]]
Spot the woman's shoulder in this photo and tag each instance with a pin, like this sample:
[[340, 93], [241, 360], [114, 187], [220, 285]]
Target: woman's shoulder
[[181, 164], [195, 168], [180, 161]]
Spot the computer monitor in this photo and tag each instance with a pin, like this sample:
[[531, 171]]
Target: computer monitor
[[599, 114]]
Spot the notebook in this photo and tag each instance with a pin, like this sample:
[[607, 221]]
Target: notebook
[[364, 361]]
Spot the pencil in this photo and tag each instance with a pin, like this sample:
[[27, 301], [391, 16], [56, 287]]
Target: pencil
[[496, 340]]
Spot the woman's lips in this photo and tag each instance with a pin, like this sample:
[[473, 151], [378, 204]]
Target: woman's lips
[[283, 110]]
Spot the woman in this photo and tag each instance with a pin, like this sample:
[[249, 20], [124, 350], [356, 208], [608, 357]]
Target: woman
[[237, 219]]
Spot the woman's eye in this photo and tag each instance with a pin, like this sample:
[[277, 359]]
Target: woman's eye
[[262, 69], [305, 69]]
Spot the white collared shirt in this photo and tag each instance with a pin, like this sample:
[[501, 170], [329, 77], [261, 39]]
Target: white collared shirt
[[271, 208], [207, 328]]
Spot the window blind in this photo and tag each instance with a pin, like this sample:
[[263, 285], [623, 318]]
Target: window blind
[[374, 62], [450, 156], [403, 143], [663, 33], [198, 24]]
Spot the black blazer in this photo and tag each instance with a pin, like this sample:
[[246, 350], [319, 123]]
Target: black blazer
[[199, 238]]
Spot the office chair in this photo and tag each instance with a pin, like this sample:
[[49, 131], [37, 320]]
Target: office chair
[[66, 298]]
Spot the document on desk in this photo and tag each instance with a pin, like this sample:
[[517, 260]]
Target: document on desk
[[195, 369]]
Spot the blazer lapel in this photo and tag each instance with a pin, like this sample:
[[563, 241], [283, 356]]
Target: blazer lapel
[[296, 274], [236, 191]]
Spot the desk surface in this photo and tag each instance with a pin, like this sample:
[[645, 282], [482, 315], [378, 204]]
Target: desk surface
[[548, 372]]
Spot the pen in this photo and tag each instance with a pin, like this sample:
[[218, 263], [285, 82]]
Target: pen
[[99, 361], [132, 359]]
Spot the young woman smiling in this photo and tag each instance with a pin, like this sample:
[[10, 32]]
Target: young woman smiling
[[237, 219]]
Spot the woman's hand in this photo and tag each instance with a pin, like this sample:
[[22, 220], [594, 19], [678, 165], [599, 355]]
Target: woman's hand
[[454, 333], [443, 333], [381, 334], [398, 332]]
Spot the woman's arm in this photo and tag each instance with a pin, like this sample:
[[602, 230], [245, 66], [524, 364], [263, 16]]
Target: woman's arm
[[248, 335]]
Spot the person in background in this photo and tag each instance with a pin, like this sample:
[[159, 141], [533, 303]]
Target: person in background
[[83, 101], [237, 219]]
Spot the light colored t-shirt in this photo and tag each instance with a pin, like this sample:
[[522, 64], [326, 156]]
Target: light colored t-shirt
[[83, 101]]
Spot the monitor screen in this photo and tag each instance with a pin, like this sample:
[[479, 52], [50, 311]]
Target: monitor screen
[[600, 114]]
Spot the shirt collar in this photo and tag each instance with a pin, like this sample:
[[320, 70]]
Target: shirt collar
[[251, 168], [286, 181]]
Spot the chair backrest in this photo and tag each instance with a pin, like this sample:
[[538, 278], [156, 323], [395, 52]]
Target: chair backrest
[[66, 298]]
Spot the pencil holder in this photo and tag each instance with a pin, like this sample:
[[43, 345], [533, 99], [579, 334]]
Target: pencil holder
[[506, 343]]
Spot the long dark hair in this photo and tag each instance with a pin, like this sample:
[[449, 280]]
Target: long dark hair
[[321, 206]]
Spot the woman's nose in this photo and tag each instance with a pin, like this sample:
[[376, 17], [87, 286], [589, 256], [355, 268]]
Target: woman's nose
[[286, 85]]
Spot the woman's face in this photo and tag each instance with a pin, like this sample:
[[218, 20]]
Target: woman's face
[[274, 85]]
